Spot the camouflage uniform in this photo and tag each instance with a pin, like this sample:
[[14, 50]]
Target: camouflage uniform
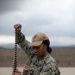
[[47, 66]]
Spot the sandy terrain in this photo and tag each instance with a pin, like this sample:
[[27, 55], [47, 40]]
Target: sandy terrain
[[65, 57]]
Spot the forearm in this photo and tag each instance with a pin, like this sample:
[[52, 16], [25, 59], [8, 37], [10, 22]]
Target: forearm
[[24, 44]]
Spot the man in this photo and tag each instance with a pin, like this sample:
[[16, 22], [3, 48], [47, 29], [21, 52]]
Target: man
[[40, 61]]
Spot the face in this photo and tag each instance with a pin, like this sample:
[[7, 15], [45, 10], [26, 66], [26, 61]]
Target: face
[[40, 50]]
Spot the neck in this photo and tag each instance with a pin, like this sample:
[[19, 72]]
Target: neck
[[42, 57]]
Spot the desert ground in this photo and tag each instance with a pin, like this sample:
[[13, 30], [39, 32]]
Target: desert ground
[[65, 56]]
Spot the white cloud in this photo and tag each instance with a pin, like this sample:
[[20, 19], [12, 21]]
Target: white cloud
[[53, 17], [55, 41], [6, 39], [64, 40]]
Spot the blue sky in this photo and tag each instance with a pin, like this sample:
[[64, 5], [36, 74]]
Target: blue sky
[[53, 17]]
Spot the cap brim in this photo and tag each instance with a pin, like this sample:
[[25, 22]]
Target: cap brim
[[36, 43]]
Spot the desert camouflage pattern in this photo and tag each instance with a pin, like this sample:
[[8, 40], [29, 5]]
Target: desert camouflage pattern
[[47, 66]]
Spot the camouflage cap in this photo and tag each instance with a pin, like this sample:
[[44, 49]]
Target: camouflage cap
[[38, 38]]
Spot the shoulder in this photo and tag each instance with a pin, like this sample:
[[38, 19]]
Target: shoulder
[[49, 63], [49, 59]]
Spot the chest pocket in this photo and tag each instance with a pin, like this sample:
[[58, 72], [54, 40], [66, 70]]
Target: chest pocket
[[46, 67]]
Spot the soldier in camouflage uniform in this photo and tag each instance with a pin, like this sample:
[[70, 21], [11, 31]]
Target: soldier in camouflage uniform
[[40, 61]]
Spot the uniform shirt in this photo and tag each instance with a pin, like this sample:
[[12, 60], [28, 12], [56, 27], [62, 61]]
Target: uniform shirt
[[46, 66]]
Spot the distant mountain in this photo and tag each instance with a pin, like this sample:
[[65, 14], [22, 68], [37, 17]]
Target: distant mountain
[[57, 44], [10, 45], [53, 44]]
